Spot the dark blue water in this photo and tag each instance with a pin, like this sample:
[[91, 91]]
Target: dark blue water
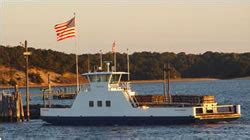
[[226, 92]]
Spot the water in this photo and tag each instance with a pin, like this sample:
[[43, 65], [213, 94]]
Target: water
[[226, 92]]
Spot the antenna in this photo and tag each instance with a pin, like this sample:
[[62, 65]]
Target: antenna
[[166, 71], [164, 82], [108, 64], [114, 54], [88, 63], [128, 65], [100, 60]]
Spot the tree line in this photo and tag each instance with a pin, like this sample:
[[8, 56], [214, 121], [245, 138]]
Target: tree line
[[143, 65]]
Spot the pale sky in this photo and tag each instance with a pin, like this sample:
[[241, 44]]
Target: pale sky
[[193, 26]]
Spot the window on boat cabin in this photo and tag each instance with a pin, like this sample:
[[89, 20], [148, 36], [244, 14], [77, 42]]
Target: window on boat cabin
[[91, 103], [99, 103], [199, 110], [209, 111], [108, 103], [115, 78], [99, 78]]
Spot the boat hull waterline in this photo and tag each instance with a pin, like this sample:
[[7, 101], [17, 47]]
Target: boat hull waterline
[[92, 121]]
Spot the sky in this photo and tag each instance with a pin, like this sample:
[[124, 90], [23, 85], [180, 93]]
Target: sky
[[193, 26]]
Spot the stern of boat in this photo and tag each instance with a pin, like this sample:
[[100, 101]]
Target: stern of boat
[[215, 113]]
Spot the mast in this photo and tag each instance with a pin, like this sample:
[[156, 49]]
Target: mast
[[49, 92], [128, 65], [88, 63], [166, 71], [27, 54], [77, 73], [169, 96], [100, 59], [164, 81], [115, 61], [114, 54]]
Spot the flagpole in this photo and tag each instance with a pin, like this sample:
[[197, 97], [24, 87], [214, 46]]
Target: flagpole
[[88, 64], [115, 61], [114, 53], [128, 65], [77, 73], [101, 60]]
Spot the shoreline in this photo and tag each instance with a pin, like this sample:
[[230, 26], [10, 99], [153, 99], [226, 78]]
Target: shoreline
[[243, 78], [174, 80], [39, 86], [133, 81]]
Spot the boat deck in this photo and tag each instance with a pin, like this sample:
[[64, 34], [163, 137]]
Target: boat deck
[[217, 116], [165, 104]]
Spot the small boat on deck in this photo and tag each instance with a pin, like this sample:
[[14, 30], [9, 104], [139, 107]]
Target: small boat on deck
[[105, 100]]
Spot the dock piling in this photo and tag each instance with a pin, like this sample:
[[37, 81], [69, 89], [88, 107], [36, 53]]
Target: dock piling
[[11, 106]]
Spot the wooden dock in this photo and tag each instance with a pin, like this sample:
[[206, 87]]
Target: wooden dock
[[11, 107]]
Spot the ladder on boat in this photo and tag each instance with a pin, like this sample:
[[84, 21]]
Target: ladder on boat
[[132, 99]]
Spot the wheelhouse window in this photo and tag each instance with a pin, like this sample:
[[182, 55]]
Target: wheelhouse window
[[108, 103], [99, 78], [115, 78], [91, 103], [99, 103]]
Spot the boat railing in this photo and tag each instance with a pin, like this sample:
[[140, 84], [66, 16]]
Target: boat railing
[[120, 86], [67, 90], [114, 86], [164, 104], [125, 85]]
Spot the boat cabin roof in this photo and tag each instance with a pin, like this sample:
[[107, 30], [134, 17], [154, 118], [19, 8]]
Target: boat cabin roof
[[110, 77], [103, 73]]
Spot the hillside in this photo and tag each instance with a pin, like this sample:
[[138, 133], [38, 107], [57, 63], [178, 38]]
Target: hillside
[[37, 76], [144, 65]]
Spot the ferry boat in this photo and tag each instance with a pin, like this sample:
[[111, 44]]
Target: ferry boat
[[105, 100]]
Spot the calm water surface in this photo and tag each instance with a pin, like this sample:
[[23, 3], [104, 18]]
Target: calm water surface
[[226, 92]]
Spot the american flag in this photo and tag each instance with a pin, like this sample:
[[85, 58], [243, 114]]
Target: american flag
[[114, 47], [65, 30]]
